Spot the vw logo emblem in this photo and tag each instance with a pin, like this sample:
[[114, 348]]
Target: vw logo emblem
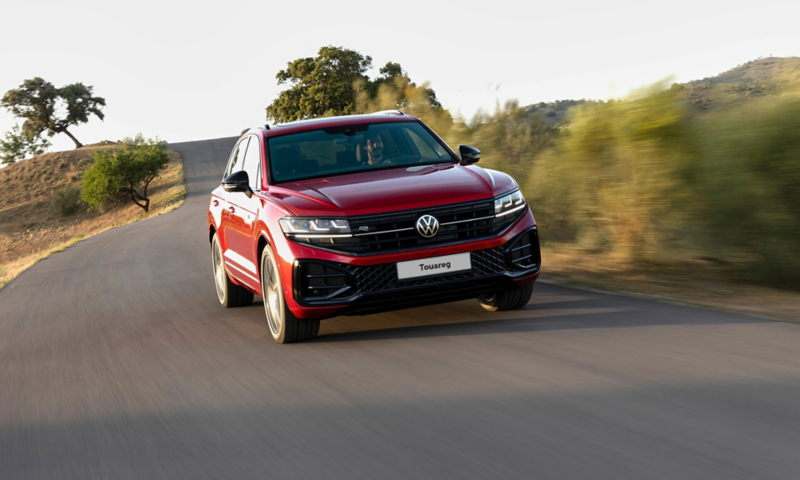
[[427, 226]]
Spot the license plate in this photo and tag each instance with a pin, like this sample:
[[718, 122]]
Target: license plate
[[428, 267]]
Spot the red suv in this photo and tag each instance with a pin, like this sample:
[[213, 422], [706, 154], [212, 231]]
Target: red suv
[[363, 214]]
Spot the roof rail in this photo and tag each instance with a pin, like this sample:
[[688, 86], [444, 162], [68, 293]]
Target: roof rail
[[258, 125], [390, 112]]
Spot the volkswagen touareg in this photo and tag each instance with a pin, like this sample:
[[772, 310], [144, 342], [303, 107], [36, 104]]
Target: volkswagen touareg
[[363, 214]]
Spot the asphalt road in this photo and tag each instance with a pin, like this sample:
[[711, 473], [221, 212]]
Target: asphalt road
[[117, 362]]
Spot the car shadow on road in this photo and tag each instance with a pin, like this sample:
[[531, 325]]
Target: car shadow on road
[[551, 308]]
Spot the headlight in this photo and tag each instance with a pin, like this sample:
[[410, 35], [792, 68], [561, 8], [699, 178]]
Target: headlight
[[508, 204], [315, 227]]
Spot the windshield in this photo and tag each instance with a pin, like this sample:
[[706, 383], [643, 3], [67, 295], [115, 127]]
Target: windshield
[[353, 148]]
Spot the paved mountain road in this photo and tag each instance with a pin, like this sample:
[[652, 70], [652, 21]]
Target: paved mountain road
[[116, 362]]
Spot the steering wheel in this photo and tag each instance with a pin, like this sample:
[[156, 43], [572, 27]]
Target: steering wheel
[[394, 155]]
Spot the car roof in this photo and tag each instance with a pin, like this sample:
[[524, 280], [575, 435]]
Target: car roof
[[327, 122]]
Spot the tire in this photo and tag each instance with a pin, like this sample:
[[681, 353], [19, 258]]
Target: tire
[[229, 294], [283, 325], [512, 299]]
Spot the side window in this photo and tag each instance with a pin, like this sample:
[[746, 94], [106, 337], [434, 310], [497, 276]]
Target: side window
[[231, 161], [252, 162], [238, 158]]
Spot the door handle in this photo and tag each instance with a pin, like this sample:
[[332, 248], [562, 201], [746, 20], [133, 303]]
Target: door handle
[[231, 209]]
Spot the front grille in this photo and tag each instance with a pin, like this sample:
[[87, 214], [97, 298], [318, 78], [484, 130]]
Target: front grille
[[376, 278], [319, 283], [324, 282], [382, 233]]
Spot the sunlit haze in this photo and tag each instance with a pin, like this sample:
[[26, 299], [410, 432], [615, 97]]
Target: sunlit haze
[[185, 71]]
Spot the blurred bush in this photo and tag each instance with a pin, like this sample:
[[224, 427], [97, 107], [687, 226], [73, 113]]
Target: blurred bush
[[67, 201], [614, 180], [648, 181], [747, 186]]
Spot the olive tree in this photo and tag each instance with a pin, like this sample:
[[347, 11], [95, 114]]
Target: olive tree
[[16, 146], [127, 169], [319, 86], [51, 110], [335, 83]]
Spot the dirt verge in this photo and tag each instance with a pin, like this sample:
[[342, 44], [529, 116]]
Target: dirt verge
[[702, 284]]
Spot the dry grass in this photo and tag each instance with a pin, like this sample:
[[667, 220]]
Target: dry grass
[[30, 228], [697, 283]]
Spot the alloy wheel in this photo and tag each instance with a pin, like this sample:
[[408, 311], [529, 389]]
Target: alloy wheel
[[219, 271], [271, 285]]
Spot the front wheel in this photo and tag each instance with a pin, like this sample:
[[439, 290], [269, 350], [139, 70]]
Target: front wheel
[[512, 299], [284, 326]]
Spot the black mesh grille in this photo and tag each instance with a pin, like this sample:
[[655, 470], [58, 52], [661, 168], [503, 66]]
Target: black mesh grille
[[376, 278], [325, 282], [331, 281], [397, 231]]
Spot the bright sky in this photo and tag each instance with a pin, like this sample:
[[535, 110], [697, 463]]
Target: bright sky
[[195, 70]]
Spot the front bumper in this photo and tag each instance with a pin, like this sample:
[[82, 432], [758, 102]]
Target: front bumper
[[326, 284]]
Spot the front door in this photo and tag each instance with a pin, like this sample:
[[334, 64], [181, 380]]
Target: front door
[[233, 229], [244, 212]]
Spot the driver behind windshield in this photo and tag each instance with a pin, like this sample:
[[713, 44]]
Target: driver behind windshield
[[373, 146]]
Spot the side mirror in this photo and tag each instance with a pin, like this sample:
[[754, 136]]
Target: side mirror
[[469, 154], [237, 182]]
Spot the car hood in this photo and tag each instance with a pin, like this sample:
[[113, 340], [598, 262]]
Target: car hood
[[391, 189]]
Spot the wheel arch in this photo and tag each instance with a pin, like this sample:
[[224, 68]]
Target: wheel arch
[[263, 241]]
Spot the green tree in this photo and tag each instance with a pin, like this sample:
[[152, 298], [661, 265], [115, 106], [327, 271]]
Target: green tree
[[335, 83], [46, 108], [127, 169], [320, 86], [17, 146], [393, 89]]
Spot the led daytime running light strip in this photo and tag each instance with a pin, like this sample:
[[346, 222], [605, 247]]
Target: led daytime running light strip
[[511, 211], [320, 235]]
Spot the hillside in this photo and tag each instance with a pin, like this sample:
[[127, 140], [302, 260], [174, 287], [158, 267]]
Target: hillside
[[38, 178], [553, 113], [782, 71], [31, 192], [744, 84], [738, 86]]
